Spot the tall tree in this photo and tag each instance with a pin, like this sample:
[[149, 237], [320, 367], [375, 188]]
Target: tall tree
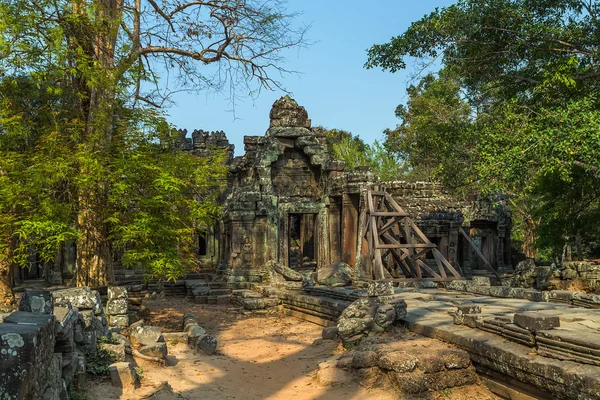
[[435, 134], [531, 72], [115, 54]]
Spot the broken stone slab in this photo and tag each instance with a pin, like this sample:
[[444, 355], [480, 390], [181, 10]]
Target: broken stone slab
[[83, 298], [37, 301], [157, 350], [288, 273], [123, 375], [117, 351], [536, 322], [117, 292], [561, 296], [335, 275], [143, 335], [66, 319]]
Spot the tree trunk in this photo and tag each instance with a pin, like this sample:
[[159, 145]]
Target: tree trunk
[[579, 247], [7, 296], [94, 257], [529, 247]]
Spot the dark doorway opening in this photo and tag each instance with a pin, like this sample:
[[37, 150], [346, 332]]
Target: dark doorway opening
[[202, 243], [301, 241]]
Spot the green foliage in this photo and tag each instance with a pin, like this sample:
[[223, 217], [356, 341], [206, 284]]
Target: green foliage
[[344, 146], [85, 152], [435, 134], [514, 110]]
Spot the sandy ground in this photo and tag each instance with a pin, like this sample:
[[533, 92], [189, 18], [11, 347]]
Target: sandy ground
[[259, 357]]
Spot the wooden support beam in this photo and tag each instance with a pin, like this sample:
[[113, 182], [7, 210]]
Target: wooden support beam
[[479, 253]]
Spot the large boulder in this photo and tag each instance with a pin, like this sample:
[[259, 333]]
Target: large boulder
[[336, 274]]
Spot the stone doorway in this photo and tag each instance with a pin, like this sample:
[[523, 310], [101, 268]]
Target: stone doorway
[[301, 241]]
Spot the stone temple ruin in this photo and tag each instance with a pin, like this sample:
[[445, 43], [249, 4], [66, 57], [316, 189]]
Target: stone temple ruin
[[345, 250], [290, 203]]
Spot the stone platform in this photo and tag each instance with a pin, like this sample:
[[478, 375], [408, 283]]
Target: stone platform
[[540, 372], [430, 313]]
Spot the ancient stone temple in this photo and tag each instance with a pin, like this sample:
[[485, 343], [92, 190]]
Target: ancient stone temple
[[291, 204]]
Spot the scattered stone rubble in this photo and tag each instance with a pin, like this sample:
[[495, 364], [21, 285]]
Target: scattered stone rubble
[[374, 313], [412, 366], [197, 336], [46, 343]]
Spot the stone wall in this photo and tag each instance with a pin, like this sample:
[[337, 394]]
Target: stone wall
[[43, 349]]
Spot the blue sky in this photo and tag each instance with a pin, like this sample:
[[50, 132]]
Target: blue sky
[[333, 86]]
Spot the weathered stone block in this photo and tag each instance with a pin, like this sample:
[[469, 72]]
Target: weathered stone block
[[116, 350], [460, 285], [158, 350], [117, 292], [117, 306], [536, 322], [481, 281], [90, 320], [145, 335], [500, 291], [330, 333], [200, 291], [26, 352], [469, 308], [123, 375], [37, 301], [364, 359], [291, 132], [82, 298], [336, 274], [207, 343], [470, 320], [380, 288], [398, 361], [482, 290]]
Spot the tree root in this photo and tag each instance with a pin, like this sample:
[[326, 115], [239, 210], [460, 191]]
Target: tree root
[[137, 354]]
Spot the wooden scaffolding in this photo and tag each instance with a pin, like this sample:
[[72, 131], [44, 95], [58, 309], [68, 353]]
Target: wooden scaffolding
[[397, 249]]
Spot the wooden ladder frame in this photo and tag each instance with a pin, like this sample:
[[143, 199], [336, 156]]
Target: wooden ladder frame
[[390, 232]]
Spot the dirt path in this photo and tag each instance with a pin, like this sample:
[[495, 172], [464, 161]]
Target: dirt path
[[259, 357]]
